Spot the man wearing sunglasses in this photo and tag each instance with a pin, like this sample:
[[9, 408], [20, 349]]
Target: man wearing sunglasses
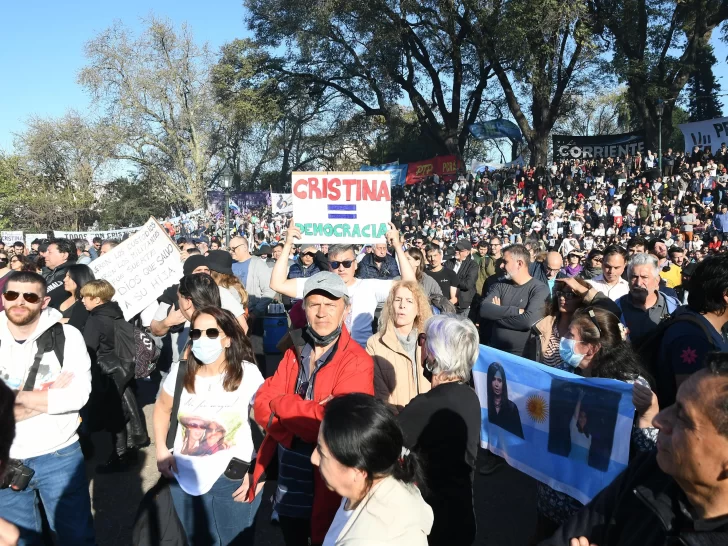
[[322, 361], [304, 266], [365, 294], [255, 276], [47, 364]]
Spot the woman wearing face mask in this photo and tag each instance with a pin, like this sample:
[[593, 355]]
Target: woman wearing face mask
[[208, 466], [443, 427], [398, 376], [593, 346]]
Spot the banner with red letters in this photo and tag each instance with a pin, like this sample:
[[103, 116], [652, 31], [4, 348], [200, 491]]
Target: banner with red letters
[[445, 166]]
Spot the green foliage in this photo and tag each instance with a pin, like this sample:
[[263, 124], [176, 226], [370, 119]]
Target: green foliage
[[131, 202], [703, 87]]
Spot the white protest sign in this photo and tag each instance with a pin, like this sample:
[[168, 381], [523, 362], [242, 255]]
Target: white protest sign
[[281, 203], [342, 207], [116, 234], [30, 237], [9, 237], [708, 134], [140, 268]]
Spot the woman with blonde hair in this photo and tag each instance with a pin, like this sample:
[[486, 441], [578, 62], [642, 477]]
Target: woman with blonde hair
[[398, 377]]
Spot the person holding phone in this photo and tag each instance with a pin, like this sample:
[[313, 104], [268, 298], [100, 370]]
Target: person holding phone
[[213, 448]]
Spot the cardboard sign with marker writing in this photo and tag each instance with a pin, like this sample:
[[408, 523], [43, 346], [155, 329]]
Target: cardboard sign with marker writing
[[140, 268]]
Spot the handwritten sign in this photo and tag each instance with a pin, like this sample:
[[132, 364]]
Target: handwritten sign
[[9, 237], [117, 234], [342, 207], [140, 268]]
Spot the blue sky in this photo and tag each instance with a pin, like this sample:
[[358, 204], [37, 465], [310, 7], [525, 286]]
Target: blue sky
[[41, 48]]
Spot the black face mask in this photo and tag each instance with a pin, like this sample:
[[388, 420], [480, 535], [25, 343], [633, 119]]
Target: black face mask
[[378, 259], [3, 264], [323, 341]]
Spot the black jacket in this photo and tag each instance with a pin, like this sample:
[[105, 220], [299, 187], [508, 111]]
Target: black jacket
[[54, 280], [467, 277], [367, 269], [99, 331], [642, 507]]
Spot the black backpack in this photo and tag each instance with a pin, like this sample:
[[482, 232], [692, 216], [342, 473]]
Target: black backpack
[[135, 348]]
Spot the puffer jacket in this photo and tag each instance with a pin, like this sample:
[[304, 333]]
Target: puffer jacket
[[285, 415], [54, 279]]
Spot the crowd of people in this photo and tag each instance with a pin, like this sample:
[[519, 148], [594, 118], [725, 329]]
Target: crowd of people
[[369, 423]]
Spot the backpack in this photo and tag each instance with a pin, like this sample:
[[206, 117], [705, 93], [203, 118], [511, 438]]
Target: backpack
[[53, 339], [135, 347]]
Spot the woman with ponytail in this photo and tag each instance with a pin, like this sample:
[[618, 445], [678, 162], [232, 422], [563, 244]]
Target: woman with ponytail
[[361, 456]]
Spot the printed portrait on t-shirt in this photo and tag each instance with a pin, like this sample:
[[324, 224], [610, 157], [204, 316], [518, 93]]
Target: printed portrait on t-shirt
[[207, 434]]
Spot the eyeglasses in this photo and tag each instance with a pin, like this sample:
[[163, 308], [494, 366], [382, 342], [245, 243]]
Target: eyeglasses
[[210, 333], [345, 263], [234, 248], [596, 260], [30, 297], [566, 295], [309, 254]]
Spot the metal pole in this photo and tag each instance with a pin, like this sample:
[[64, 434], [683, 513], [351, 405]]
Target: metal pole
[[659, 143], [227, 218]]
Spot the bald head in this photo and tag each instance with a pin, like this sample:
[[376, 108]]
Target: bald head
[[554, 262]]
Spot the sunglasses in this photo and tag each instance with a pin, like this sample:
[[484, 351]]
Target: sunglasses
[[309, 254], [566, 295], [30, 297], [210, 333], [196, 425], [345, 263]]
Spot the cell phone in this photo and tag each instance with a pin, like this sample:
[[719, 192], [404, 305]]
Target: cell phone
[[236, 469]]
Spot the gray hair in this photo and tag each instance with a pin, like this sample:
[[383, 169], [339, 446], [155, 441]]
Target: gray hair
[[642, 258], [338, 250], [453, 344], [519, 252], [81, 244]]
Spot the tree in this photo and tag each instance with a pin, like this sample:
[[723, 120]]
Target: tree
[[538, 48], [130, 202], [596, 114], [375, 53], [159, 104], [703, 87], [656, 46]]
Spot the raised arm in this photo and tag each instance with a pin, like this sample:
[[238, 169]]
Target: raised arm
[[278, 279], [394, 240]]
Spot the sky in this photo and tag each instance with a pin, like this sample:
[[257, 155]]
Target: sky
[[41, 49]]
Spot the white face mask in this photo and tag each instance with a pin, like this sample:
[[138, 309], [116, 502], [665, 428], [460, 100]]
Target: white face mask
[[207, 350]]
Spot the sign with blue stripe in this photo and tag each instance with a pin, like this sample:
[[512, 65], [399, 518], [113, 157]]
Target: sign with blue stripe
[[346, 212], [569, 432]]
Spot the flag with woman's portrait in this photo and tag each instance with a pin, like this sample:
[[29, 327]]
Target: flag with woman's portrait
[[567, 431]]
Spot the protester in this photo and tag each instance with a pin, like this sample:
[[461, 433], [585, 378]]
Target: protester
[[593, 264], [697, 331], [113, 394], [304, 265], [50, 394], [379, 264], [233, 296], [398, 376], [319, 362], [73, 311], [211, 485], [255, 276], [443, 427], [9, 534], [5, 271], [361, 456], [467, 273], [594, 347], [17, 262], [510, 308], [610, 282], [61, 255], [446, 278], [676, 494], [365, 294], [428, 285]]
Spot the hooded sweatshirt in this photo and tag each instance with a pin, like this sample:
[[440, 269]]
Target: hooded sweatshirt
[[47, 432]]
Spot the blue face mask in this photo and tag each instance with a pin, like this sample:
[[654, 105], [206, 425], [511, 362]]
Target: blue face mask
[[567, 353], [206, 350]]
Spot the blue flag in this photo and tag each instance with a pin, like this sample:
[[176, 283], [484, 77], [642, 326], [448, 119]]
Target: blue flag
[[569, 432], [398, 172]]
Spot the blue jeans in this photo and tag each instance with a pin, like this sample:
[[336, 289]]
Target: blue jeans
[[60, 482], [215, 519]]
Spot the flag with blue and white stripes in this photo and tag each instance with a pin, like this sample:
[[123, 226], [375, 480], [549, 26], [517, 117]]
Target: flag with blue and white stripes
[[567, 431]]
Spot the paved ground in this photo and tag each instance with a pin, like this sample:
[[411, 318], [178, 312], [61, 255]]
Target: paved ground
[[504, 502]]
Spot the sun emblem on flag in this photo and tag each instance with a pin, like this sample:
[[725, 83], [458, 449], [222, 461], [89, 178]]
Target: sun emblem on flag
[[537, 408], [689, 356]]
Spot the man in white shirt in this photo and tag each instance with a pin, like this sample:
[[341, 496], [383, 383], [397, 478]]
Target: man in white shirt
[[48, 366], [610, 282], [365, 294]]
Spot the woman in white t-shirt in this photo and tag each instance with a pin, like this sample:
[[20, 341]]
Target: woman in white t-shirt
[[213, 447]]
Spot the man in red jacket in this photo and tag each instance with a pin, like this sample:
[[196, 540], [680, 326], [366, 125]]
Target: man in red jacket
[[321, 361]]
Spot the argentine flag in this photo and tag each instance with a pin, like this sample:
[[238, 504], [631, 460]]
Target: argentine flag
[[567, 431]]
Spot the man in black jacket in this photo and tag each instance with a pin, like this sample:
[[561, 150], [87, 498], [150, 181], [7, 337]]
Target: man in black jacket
[[678, 495], [60, 256], [467, 271]]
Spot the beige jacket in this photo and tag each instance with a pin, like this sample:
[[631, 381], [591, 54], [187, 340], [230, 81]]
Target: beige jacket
[[394, 380], [392, 514]]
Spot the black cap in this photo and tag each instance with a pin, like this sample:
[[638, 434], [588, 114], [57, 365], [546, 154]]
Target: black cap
[[220, 261], [192, 263], [463, 244], [264, 250]]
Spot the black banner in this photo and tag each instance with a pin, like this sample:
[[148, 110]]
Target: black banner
[[594, 147]]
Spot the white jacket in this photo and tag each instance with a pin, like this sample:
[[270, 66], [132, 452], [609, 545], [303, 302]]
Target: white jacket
[[47, 432]]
